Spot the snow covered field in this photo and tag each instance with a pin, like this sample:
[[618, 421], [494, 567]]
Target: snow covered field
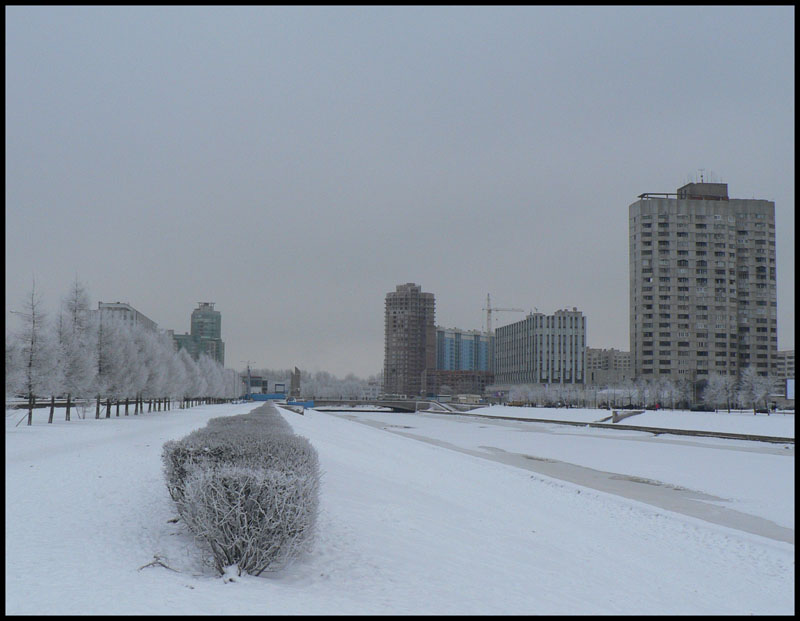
[[420, 513]]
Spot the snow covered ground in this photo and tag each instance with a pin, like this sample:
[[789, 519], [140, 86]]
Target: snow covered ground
[[776, 424], [420, 513]]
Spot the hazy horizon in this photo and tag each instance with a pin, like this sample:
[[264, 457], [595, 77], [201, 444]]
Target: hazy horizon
[[293, 165]]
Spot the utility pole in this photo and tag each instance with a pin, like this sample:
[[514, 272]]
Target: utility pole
[[248, 377]]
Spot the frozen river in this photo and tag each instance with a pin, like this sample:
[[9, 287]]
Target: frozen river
[[727, 482]]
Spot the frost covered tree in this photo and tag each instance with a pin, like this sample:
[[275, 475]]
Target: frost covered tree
[[84, 353], [729, 388], [628, 391], [211, 372], [75, 341], [193, 382], [176, 376], [138, 356], [38, 352], [754, 389], [642, 396], [720, 391], [14, 376], [122, 373], [160, 354], [714, 392], [110, 352]]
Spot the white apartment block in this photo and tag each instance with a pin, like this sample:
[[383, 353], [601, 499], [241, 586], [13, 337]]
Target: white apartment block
[[126, 313], [703, 289], [541, 349]]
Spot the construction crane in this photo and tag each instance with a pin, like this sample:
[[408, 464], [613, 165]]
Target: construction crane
[[489, 310]]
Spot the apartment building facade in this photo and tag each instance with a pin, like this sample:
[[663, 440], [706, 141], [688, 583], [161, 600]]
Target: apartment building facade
[[409, 339], [463, 350], [703, 288], [542, 349], [783, 367], [607, 367]]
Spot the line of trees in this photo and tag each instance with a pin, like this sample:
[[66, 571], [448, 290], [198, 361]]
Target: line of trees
[[324, 385], [642, 393], [749, 391], [81, 354]]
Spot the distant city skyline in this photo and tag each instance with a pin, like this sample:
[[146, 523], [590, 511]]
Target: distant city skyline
[[295, 164]]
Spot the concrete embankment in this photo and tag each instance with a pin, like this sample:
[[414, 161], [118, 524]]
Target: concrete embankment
[[653, 430]]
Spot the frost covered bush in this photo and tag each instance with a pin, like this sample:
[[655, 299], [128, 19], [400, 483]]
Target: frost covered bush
[[232, 446], [247, 486], [264, 416], [255, 518], [266, 449]]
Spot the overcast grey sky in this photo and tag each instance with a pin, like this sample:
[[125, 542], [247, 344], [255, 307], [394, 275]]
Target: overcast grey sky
[[294, 164]]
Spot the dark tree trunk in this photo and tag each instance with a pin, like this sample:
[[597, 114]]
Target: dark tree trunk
[[117, 404], [97, 408], [31, 403], [126, 406], [67, 416], [52, 408], [108, 407]]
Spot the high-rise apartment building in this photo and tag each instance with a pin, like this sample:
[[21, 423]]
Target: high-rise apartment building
[[409, 339], [206, 334], [206, 322], [703, 290], [541, 349]]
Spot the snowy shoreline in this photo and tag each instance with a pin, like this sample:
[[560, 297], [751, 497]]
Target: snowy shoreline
[[406, 527]]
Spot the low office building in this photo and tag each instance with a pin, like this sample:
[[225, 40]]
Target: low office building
[[438, 381], [542, 349], [607, 367]]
